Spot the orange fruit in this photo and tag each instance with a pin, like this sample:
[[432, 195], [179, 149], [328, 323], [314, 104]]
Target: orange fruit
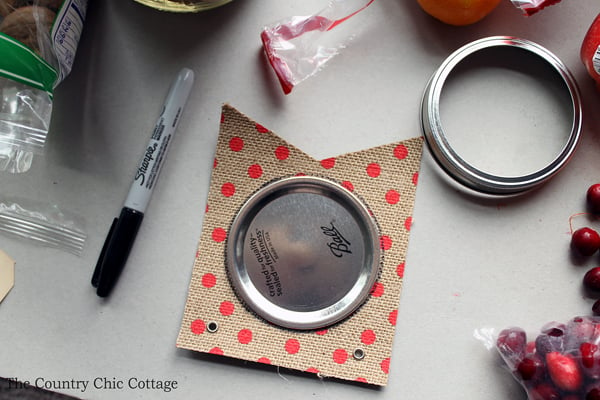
[[458, 12]]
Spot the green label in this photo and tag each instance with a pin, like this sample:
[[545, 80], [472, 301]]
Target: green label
[[20, 63]]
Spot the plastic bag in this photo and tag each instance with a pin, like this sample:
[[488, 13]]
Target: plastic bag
[[561, 361], [46, 225], [530, 7], [590, 51], [298, 47], [38, 42]]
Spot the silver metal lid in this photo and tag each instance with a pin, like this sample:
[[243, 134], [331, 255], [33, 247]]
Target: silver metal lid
[[455, 165], [303, 252]]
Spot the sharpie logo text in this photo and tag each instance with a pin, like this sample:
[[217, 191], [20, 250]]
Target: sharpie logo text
[[143, 169]]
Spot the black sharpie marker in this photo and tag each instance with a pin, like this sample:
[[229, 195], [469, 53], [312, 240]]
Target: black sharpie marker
[[124, 229]]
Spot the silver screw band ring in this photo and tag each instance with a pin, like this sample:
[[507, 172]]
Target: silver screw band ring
[[459, 169]]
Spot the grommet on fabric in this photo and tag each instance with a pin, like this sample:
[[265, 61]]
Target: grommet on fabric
[[212, 327], [358, 354], [465, 172]]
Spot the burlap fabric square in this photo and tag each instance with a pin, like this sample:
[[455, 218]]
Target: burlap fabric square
[[247, 157]]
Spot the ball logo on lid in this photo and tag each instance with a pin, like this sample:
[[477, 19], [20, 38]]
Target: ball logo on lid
[[338, 245]]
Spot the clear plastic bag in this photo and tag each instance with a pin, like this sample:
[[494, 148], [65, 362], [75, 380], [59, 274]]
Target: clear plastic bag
[[530, 7], [298, 47], [38, 41], [561, 361], [42, 224]]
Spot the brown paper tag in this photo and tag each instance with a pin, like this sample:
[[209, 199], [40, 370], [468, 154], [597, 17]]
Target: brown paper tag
[[7, 274], [248, 156]]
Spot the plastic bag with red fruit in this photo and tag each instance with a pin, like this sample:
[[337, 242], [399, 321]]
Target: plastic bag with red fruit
[[561, 361], [530, 7], [590, 51], [298, 47]]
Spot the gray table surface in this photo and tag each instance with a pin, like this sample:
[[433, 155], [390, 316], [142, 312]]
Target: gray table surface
[[472, 263]]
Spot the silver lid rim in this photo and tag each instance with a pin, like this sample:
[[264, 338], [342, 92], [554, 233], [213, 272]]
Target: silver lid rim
[[459, 169]]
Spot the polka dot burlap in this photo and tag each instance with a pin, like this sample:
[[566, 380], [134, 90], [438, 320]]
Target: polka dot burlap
[[215, 321]]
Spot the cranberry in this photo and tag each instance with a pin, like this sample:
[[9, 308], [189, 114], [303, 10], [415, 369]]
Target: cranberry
[[551, 339], [579, 330], [531, 368], [544, 391], [511, 344], [596, 308], [591, 282], [564, 371], [589, 359], [593, 393], [585, 241], [587, 354], [593, 198]]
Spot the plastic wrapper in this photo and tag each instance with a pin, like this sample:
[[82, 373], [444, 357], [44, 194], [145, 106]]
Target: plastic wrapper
[[561, 361], [42, 224], [298, 47], [38, 42], [590, 51], [530, 7]]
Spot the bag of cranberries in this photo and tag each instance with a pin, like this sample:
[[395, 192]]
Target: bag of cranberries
[[562, 361]]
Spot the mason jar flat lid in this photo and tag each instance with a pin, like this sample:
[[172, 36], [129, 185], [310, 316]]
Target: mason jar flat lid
[[303, 252]]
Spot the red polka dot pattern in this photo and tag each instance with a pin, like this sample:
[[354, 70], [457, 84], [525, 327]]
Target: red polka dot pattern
[[400, 270], [236, 144], [244, 336], [282, 153], [373, 170], [408, 223], [198, 327], [340, 356], [209, 280], [368, 337], [386, 242], [248, 156], [377, 290], [392, 197], [219, 235], [393, 317], [400, 152], [385, 366], [328, 163], [348, 185], [217, 351], [292, 346], [228, 189], [255, 171], [226, 308], [261, 129]]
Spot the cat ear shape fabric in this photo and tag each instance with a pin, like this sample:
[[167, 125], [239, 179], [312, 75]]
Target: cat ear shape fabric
[[215, 321]]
